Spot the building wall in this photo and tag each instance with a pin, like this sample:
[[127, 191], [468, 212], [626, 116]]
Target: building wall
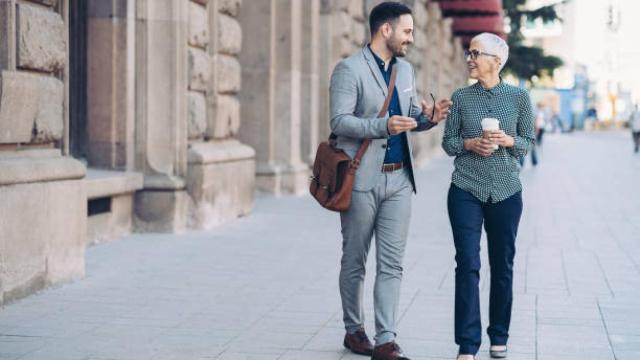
[[121, 116], [43, 206], [220, 171]]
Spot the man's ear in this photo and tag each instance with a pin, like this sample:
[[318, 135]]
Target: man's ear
[[387, 29]]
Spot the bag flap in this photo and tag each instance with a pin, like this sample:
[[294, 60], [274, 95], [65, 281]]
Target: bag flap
[[328, 165]]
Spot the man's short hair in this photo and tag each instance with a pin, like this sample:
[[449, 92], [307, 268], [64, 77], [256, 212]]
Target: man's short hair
[[388, 11]]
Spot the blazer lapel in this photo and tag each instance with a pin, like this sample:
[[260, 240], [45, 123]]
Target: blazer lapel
[[375, 70], [404, 89]]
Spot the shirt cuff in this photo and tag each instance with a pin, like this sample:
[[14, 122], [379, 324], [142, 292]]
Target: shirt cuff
[[424, 123], [520, 147], [385, 120], [454, 146]]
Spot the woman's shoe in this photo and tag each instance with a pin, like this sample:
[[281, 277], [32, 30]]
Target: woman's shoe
[[500, 352]]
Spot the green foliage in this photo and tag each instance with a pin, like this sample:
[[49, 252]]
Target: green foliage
[[528, 61], [525, 62]]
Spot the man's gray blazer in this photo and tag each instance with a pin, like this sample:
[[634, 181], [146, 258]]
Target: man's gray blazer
[[358, 91]]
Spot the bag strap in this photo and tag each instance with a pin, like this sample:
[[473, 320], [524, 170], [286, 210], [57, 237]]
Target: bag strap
[[383, 111]]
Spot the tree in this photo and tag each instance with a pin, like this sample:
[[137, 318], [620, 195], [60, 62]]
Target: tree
[[525, 62]]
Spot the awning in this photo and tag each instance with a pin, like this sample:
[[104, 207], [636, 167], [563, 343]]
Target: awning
[[472, 17], [472, 6], [478, 24]]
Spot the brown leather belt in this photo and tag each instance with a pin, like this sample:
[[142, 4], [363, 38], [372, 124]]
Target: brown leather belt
[[392, 167]]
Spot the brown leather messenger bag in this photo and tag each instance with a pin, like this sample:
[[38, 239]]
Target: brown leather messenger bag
[[334, 170]]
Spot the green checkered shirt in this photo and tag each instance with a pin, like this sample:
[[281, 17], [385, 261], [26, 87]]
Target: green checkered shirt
[[496, 177]]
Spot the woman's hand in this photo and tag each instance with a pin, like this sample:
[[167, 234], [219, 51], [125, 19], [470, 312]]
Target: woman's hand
[[501, 139], [480, 146]]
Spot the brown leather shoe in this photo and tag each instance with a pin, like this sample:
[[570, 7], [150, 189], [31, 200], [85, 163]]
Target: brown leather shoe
[[358, 343], [388, 351]]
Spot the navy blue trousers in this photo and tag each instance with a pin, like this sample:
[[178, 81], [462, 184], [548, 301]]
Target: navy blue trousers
[[501, 219]]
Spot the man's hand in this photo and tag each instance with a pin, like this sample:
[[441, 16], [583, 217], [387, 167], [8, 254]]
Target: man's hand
[[480, 146], [398, 124], [500, 138], [442, 109]]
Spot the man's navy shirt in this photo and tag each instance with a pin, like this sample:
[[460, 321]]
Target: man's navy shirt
[[397, 149]]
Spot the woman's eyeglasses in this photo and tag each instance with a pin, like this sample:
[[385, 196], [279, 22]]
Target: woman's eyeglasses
[[473, 54]]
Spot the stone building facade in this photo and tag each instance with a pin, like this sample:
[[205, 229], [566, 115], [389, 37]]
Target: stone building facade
[[121, 116]]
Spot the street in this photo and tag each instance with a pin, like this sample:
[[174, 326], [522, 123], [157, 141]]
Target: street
[[265, 287]]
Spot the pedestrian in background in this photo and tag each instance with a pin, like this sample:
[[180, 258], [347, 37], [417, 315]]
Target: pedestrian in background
[[486, 188], [540, 124], [634, 124]]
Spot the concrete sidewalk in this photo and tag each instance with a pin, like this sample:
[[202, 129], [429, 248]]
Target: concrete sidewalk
[[265, 286]]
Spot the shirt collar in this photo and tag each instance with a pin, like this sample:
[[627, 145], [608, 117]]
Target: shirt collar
[[498, 89], [379, 61]]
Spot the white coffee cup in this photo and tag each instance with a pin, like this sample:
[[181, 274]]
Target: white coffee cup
[[491, 124]]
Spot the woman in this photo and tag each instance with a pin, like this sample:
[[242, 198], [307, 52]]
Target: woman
[[486, 188]]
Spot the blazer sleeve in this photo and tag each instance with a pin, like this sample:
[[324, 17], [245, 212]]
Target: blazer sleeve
[[343, 100]]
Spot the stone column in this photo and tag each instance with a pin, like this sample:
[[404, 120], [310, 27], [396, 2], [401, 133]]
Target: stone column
[[221, 170], [358, 34], [446, 52], [343, 31], [310, 95], [460, 63], [111, 84], [271, 101], [419, 57], [43, 207], [325, 67], [434, 59], [161, 113]]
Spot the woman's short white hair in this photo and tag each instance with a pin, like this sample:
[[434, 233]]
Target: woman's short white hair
[[494, 44]]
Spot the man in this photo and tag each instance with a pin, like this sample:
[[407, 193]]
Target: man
[[381, 199]]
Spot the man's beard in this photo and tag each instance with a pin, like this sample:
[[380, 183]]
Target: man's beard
[[395, 46]]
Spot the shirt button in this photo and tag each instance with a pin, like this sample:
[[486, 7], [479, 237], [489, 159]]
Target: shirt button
[[384, 146]]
